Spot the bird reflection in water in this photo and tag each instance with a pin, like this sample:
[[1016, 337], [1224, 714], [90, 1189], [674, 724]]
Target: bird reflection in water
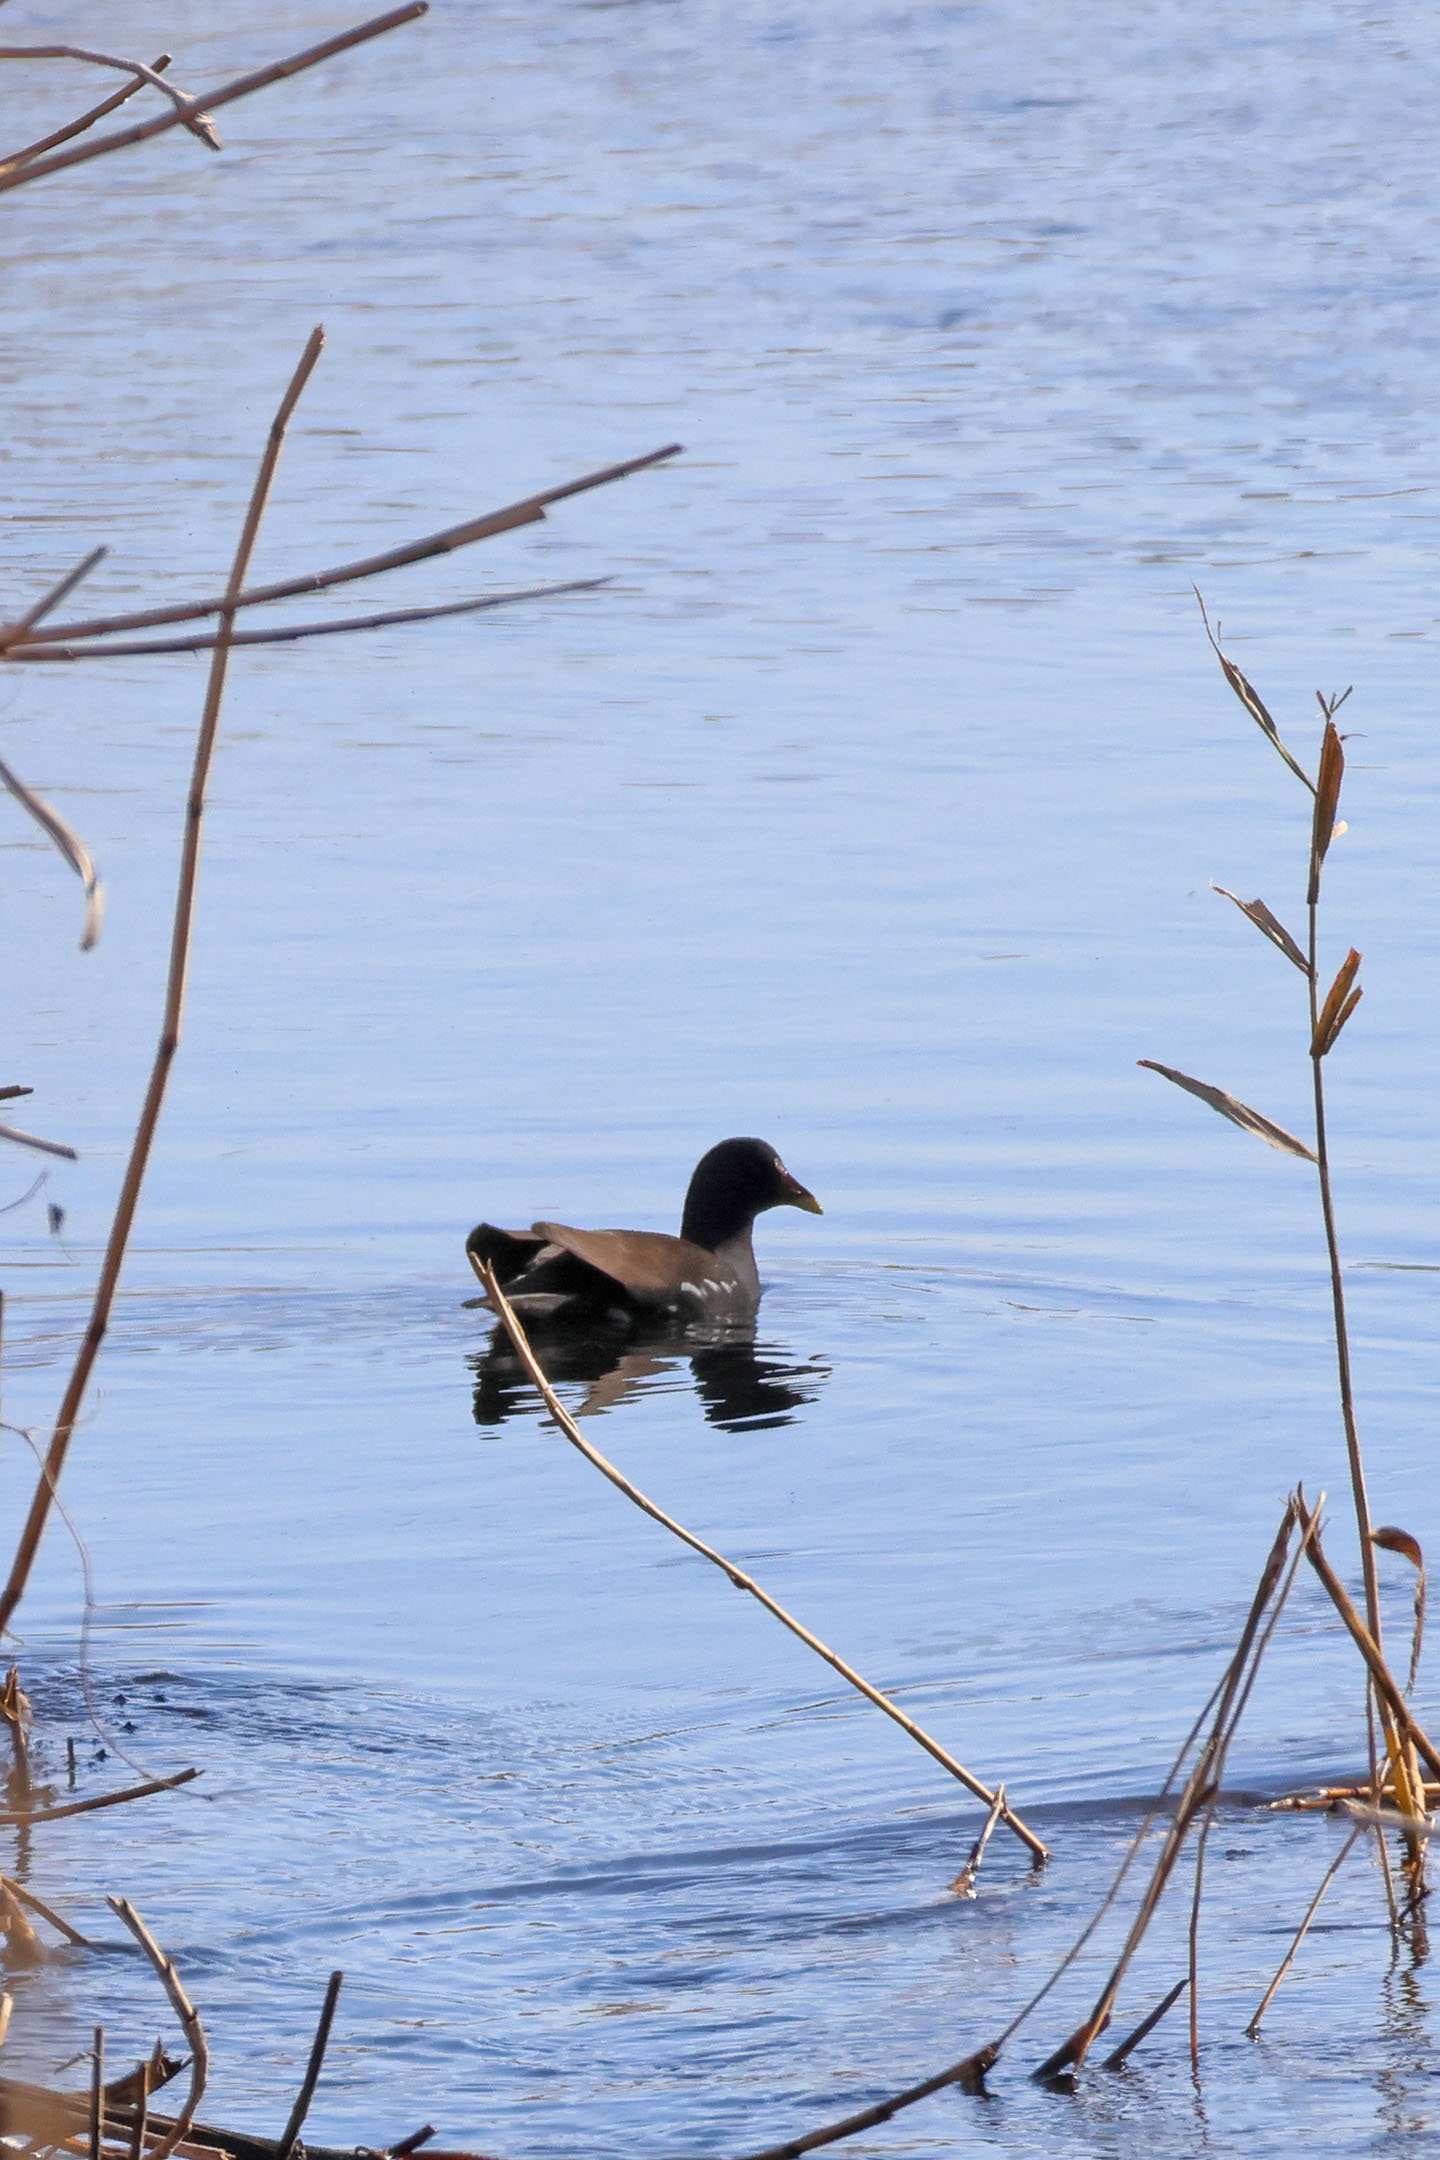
[[743, 1386]]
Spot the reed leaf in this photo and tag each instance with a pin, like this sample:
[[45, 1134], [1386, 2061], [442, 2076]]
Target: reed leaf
[[71, 846], [1327, 801], [1269, 926], [1389, 1539], [1239, 1113], [1251, 699], [1340, 1002]]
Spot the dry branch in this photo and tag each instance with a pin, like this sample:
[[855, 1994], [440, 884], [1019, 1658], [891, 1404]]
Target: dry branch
[[174, 1008], [36, 168], [738, 1577]]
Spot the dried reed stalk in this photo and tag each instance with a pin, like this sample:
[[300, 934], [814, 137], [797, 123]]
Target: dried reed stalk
[[1387, 1687], [311, 2078], [529, 510], [1327, 803], [1116, 2059], [737, 1576], [35, 168], [174, 1008], [190, 2025], [1202, 1785]]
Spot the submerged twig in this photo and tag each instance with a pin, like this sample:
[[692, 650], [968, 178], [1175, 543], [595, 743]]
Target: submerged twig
[[969, 2075], [11, 1816], [738, 1577]]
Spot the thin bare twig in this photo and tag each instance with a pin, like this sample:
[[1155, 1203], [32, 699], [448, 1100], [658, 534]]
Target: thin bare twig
[[964, 1883], [37, 168], [738, 1577], [174, 1008], [59, 591], [187, 110], [530, 510], [311, 2078], [84, 120], [1252, 2030], [190, 2024], [41, 1147], [205, 640]]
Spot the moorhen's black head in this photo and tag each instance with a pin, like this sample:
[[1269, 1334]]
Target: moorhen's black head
[[733, 1184]]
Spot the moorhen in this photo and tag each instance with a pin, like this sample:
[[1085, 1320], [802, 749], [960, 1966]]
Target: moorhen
[[555, 1274]]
